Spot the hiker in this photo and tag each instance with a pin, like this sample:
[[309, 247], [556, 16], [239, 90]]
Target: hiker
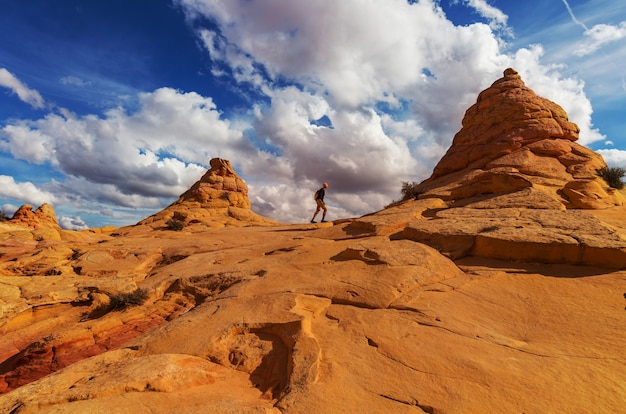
[[319, 199]]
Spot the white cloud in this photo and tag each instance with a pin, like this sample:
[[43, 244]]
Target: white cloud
[[614, 157], [26, 191], [75, 81], [359, 54], [158, 151], [497, 19], [600, 35], [72, 223], [30, 96], [8, 209], [356, 154], [563, 43], [340, 50]]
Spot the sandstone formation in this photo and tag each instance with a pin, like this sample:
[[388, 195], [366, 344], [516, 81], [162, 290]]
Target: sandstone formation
[[219, 198], [513, 183], [27, 225], [41, 218], [485, 295], [513, 140]]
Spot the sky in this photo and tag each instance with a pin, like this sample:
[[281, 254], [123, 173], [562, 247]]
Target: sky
[[109, 110]]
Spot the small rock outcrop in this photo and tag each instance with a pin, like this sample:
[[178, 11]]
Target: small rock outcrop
[[218, 199], [514, 140], [42, 218]]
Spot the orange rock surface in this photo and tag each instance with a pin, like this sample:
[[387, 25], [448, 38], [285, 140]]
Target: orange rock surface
[[337, 317]]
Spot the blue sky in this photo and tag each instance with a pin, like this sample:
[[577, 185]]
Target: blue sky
[[111, 109]]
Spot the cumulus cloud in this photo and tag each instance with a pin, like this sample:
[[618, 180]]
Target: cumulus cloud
[[26, 191], [30, 96], [157, 151], [614, 157], [8, 209], [356, 148], [72, 223], [359, 54]]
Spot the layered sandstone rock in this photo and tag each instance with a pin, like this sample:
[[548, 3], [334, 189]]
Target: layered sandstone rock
[[301, 318], [220, 187], [219, 198], [514, 140], [41, 218], [505, 182]]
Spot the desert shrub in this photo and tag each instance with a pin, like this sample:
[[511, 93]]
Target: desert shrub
[[489, 229], [613, 176], [118, 302], [409, 190], [123, 300], [3, 217], [175, 224]]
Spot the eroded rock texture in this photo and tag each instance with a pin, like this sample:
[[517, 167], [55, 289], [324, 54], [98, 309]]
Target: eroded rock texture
[[351, 316], [41, 218], [514, 140], [219, 198]]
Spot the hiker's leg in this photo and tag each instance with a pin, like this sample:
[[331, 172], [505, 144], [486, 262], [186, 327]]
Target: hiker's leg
[[317, 210]]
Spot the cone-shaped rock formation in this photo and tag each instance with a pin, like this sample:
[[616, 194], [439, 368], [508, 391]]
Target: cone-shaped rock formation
[[220, 187], [518, 149], [219, 198]]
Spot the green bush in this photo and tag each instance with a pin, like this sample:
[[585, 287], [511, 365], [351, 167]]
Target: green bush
[[409, 190], [613, 176]]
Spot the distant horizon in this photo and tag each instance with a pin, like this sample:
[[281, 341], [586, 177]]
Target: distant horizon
[[110, 110]]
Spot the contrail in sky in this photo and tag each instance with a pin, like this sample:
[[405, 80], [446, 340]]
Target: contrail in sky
[[578, 22]]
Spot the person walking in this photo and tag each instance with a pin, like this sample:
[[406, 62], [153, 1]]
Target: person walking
[[319, 199]]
